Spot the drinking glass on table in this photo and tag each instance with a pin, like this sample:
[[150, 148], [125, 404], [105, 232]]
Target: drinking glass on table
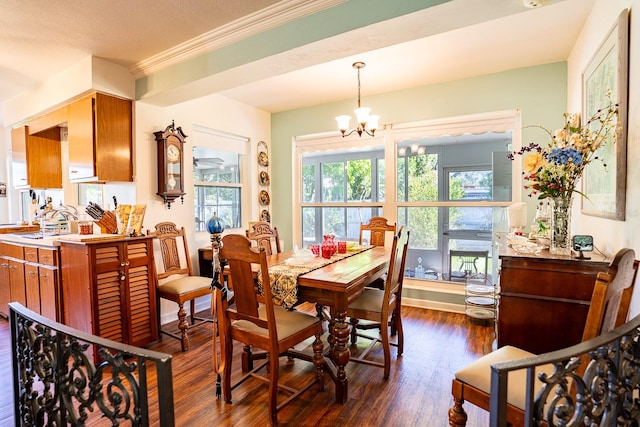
[[315, 249]]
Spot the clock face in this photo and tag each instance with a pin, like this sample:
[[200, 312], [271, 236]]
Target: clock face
[[173, 153]]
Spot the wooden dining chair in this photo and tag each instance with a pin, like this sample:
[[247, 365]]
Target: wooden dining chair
[[377, 229], [255, 321], [383, 306], [176, 281], [266, 236], [609, 308]]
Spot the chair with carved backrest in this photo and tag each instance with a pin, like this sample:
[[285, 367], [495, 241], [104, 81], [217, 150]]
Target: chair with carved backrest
[[609, 308], [256, 321], [377, 229], [176, 281], [379, 306], [266, 236]]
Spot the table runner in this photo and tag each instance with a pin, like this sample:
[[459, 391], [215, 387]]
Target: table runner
[[284, 277]]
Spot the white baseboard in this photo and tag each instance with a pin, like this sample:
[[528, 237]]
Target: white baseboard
[[433, 305]]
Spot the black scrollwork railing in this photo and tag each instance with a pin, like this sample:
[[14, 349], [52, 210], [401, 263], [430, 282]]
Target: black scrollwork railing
[[594, 383], [56, 382]]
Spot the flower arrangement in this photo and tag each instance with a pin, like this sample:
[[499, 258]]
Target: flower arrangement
[[553, 171]]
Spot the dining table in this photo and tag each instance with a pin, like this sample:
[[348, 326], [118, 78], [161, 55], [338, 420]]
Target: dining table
[[335, 286]]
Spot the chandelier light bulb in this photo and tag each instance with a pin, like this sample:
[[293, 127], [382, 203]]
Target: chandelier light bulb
[[362, 115], [343, 122]]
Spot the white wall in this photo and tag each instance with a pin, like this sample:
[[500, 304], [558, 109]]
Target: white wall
[[610, 235], [215, 112]]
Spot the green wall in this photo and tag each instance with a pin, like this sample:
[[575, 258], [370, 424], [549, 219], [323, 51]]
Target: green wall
[[539, 92]]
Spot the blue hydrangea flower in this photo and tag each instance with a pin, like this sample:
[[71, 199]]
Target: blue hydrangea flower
[[562, 156]]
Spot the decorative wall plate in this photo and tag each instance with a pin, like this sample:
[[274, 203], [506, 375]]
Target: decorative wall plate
[[263, 159], [264, 178], [265, 216], [264, 198]]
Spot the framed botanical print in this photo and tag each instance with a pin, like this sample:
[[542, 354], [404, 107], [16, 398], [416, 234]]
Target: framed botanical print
[[604, 182]]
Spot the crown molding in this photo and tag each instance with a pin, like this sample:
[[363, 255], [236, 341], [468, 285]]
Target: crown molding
[[247, 26]]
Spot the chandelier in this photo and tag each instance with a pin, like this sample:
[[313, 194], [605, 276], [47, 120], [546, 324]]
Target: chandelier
[[365, 123]]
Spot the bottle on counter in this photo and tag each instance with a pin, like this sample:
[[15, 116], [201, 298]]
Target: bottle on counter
[[419, 274]]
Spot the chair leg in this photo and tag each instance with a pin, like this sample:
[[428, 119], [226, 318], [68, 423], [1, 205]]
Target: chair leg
[[193, 311], [457, 414], [184, 327], [384, 331], [354, 332], [227, 351], [247, 359], [318, 361], [396, 323], [274, 368]]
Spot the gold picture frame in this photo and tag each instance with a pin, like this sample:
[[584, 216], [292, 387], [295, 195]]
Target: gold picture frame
[[608, 70]]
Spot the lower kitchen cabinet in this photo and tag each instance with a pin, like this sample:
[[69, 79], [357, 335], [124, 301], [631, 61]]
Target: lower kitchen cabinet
[[30, 275], [109, 288]]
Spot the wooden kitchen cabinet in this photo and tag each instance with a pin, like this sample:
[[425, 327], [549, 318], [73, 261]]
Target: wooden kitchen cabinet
[[32, 286], [100, 139], [544, 300], [5, 290], [109, 288], [11, 276], [30, 276], [36, 158]]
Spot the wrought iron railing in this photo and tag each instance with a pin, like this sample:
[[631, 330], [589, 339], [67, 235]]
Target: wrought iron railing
[[57, 383], [594, 383]]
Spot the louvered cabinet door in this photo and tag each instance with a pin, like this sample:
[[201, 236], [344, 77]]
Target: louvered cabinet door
[[141, 293], [110, 287]]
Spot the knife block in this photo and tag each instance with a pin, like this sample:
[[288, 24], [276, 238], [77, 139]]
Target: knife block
[[108, 223]]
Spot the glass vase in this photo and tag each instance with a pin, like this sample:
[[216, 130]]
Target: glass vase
[[560, 225], [328, 247]]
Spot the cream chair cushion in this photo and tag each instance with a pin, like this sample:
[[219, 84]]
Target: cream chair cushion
[[478, 374], [288, 322], [369, 300], [184, 285]]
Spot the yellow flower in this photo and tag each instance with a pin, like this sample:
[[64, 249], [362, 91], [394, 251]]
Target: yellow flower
[[533, 161]]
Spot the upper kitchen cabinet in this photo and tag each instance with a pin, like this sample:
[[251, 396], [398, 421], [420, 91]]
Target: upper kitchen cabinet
[[100, 139], [36, 158]]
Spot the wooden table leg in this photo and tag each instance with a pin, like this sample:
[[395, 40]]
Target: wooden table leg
[[341, 355]]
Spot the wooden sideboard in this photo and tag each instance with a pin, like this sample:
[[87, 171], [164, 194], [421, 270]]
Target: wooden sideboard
[[544, 299]]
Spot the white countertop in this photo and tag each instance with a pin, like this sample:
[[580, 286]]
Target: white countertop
[[53, 241]]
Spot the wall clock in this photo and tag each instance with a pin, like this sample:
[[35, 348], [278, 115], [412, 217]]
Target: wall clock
[[170, 164]]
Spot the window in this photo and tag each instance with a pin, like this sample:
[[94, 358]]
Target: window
[[441, 188], [340, 189], [218, 177], [89, 193]]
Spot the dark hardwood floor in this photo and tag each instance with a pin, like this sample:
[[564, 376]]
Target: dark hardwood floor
[[418, 392]]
